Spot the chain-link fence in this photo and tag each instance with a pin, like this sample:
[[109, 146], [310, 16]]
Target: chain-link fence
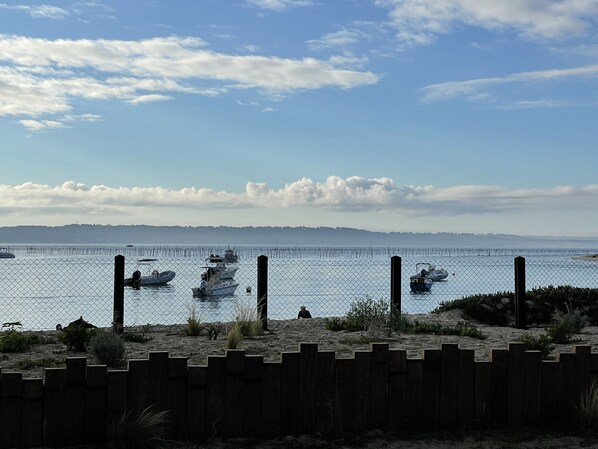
[[40, 292]]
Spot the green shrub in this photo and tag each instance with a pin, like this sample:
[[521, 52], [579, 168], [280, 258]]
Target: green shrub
[[213, 331], [108, 348], [561, 331], [542, 343], [365, 312], [247, 320], [134, 337], [335, 324], [46, 362], [76, 338], [14, 341]]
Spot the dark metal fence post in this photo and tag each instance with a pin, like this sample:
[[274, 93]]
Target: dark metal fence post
[[395, 283], [119, 294], [520, 319], [262, 290]]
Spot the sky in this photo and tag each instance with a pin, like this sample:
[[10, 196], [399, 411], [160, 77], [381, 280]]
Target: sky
[[465, 116]]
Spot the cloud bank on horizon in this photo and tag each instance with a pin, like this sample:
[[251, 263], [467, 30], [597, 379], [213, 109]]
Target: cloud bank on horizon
[[485, 110]]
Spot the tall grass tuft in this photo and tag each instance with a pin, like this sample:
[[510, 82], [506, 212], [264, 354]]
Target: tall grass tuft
[[247, 319], [587, 408], [145, 430], [194, 326], [234, 337]]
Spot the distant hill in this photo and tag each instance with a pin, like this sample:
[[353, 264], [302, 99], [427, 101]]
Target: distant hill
[[266, 236]]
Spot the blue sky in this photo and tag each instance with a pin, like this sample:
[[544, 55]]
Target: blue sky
[[389, 115]]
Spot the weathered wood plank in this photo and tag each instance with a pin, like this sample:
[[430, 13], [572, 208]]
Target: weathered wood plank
[[308, 395], [74, 400], [32, 412], [415, 381], [216, 394], [234, 394], [54, 379], [549, 392], [397, 386], [516, 383], [499, 402], [116, 396], [254, 396], [272, 414], [431, 388], [466, 387], [483, 392], [361, 388], [95, 403], [157, 380], [344, 395], [289, 393], [137, 384], [449, 385], [567, 389], [379, 386], [583, 362], [177, 397], [196, 402], [10, 409], [533, 386], [325, 392]]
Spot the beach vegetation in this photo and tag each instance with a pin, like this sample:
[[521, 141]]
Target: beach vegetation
[[335, 324], [135, 337], [247, 319], [543, 306], [234, 337], [45, 362], [194, 326], [76, 338], [108, 348], [587, 408], [541, 342], [366, 313], [144, 430]]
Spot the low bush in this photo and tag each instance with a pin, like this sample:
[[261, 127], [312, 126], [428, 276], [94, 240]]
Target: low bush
[[76, 338], [335, 324], [365, 313], [233, 338], [14, 341], [134, 337], [108, 348], [542, 343], [587, 408], [194, 326]]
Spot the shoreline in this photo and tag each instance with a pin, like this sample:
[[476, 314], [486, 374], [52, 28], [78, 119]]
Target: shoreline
[[281, 336]]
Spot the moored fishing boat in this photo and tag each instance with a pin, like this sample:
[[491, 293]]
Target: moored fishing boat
[[152, 277]]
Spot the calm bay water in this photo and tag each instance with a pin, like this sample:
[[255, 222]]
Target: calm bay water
[[46, 285]]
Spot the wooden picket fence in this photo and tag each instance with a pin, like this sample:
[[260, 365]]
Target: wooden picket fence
[[308, 391]]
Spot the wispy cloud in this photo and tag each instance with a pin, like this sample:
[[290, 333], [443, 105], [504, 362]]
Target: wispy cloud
[[338, 39], [478, 89], [279, 5], [44, 77], [62, 122], [419, 22], [38, 11]]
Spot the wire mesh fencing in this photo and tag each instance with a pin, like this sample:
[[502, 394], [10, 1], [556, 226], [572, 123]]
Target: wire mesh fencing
[[42, 292]]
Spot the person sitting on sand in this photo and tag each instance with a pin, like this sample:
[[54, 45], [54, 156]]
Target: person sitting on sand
[[303, 313]]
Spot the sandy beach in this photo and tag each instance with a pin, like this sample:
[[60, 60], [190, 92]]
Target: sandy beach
[[282, 336]]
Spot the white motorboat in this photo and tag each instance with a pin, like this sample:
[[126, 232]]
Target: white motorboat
[[221, 266], [429, 270], [212, 285], [6, 254], [146, 275]]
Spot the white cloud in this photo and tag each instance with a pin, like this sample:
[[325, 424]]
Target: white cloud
[[279, 5], [44, 77], [476, 89], [39, 11], [336, 194], [419, 22], [337, 39]]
